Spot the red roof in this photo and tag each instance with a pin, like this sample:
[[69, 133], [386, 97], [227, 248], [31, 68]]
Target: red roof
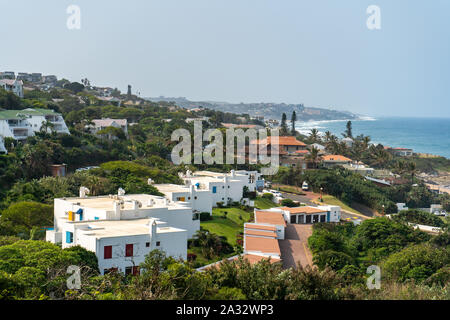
[[282, 141], [335, 157]]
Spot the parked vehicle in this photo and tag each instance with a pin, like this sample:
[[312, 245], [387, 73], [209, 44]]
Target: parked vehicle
[[305, 186]]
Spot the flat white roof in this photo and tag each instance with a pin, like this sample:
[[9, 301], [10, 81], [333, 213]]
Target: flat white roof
[[121, 228], [172, 188], [107, 202]]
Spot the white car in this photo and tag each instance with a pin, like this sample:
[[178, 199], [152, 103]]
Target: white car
[[305, 186]]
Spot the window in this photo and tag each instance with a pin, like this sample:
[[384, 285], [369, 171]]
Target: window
[[195, 198], [214, 189], [69, 237], [147, 244], [223, 187], [129, 250], [107, 252], [228, 187], [135, 271], [158, 243], [128, 270], [189, 198]]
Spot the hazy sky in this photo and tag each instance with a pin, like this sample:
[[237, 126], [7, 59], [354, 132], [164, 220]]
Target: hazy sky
[[317, 52]]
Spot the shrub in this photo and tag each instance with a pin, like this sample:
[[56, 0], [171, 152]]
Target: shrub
[[220, 204], [205, 216], [288, 203], [420, 217], [268, 196]]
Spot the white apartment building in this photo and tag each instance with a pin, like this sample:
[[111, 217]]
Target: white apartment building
[[122, 229], [12, 85], [21, 124], [224, 187], [199, 200]]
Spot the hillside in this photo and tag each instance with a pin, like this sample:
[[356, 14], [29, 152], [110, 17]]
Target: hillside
[[267, 110]]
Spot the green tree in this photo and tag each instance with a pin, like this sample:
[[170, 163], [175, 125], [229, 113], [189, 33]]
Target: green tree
[[293, 120], [20, 218]]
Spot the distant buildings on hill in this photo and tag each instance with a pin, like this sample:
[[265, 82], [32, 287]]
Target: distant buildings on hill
[[21, 124]]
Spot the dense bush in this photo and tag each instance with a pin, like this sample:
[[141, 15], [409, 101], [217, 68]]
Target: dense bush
[[419, 217]]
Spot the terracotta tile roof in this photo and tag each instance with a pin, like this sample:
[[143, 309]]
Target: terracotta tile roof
[[282, 141], [335, 157], [264, 233], [302, 151], [264, 245], [270, 217], [306, 210], [253, 258], [260, 227]]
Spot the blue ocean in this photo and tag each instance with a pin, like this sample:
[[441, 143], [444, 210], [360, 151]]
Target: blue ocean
[[424, 135]]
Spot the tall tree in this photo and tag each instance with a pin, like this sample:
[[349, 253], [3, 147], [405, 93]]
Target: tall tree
[[313, 156], [284, 129], [348, 131], [293, 120]]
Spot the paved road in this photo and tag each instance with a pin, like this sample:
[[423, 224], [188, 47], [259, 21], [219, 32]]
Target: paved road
[[295, 246]]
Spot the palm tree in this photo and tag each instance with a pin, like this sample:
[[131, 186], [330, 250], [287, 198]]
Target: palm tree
[[328, 136], [313, 156], [411, 169], [314, 136]]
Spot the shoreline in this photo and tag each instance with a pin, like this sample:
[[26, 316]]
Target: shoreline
[[305, 127]]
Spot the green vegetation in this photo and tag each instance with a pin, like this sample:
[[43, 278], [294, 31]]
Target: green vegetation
[[403, 253], [419, 217], [431, 165], [35, 269], [227, 222], [330, 200], [263, 203]]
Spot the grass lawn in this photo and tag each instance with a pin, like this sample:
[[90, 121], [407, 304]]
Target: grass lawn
[[330, 200], [288, 189], [261, 203], [229, 226]]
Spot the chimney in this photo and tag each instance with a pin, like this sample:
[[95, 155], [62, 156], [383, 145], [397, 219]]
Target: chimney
[[120, 192], [233, 173], [83, 192], [116, 211], [152, 228]]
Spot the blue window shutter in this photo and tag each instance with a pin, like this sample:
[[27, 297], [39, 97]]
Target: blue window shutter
[[214, 189], [69, 237], [96, 218], [328, 216]]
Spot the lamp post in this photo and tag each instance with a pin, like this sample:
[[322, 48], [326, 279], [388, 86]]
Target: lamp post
[[383, 209], [321, 194]]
